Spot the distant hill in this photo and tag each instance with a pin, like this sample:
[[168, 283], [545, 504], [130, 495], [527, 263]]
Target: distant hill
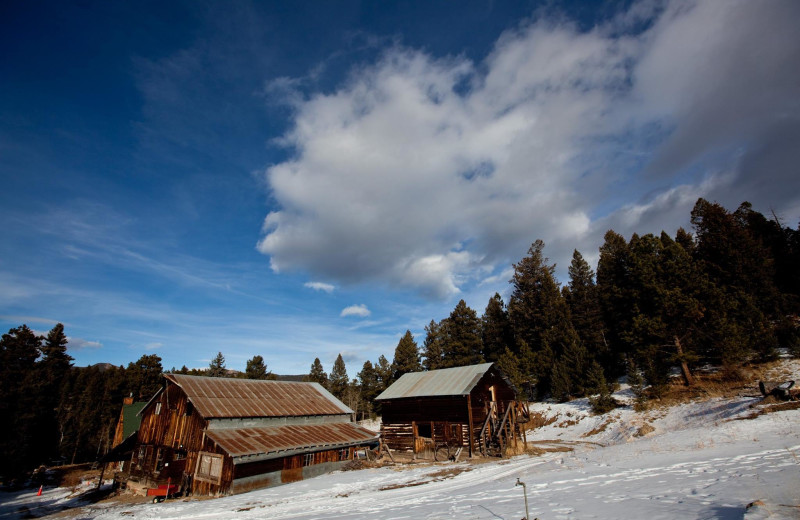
[[300, 377], [103, 366]]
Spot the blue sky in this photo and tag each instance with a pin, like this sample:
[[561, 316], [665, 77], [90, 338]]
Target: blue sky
[[300, 179]]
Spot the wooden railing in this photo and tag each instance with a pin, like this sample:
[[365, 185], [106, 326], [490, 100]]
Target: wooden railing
[[496, 434]]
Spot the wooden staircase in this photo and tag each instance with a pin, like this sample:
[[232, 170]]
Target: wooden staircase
[[498, 432]]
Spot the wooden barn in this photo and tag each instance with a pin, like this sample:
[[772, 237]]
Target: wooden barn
[[442, 411], [216, 436]]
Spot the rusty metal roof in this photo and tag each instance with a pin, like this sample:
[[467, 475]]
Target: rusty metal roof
[[262, 443], [443, 382], [218, 397]]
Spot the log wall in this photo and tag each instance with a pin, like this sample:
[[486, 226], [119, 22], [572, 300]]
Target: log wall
[[444, 420]]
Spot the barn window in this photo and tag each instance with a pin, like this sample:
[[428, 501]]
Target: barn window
[[455, 430], [209, 467], [344, 454], [158, 409], [308, 459]]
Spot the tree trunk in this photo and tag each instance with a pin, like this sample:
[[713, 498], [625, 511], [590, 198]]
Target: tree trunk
[[687, 374]]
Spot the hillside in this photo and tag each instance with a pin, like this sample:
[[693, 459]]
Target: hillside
[[706, 458]]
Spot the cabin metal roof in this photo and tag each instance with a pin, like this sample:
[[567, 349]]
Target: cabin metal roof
[[218, 397], [250, 444], [442, 382]]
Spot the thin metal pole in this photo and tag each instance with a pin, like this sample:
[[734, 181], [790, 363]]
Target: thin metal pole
[[525, 493]]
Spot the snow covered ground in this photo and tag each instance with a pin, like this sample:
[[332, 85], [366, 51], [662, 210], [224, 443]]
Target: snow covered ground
[[697, 462]]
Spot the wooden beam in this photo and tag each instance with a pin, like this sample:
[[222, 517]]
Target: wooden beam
[[471, 433]]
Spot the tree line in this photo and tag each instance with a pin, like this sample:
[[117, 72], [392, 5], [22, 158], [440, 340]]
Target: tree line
[[726, 294]]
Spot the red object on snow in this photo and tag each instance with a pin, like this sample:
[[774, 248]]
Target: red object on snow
[[162, 490], [39, 493]]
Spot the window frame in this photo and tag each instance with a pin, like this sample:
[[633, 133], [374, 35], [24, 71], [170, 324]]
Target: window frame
[[214, 460], [308, 459]]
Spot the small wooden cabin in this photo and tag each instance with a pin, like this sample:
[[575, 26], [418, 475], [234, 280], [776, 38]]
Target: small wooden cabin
[[472, 407], [216, 436]]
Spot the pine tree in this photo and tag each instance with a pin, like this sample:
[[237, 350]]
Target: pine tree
[[496, 334], [256, 369], [602, 402], [19, 391], [509, 363], [685, 240], [317, 374], [144, 377], [462, 337], [637, 384], [584, 305], [50, 375], [433, 348], [370, 386], [576, 363], [217, 366], [616, 305], [383, 369], [537, 309], [54, 352], [560, 381], [406, 356], [338, 380], [742, 269], [540, 316]]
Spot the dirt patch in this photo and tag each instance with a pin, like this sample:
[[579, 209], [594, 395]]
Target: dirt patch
[[436, 476], [450, 472], [357, 464], [539, 420], [782, 407], [726, 382], [404, 485], [644, 430], [600, 428]]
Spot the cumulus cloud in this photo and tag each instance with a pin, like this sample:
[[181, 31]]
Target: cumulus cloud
[[320, 286], [360, 310], [433, 173]]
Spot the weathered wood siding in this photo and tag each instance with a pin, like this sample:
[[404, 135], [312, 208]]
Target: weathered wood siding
[[256, 475], [443, 419], [420, 409], [169, 442]]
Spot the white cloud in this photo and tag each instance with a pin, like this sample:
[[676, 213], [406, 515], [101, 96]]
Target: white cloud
[[320, 286], [82, 344], [356, 310], [153, 346], [427, 173]]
